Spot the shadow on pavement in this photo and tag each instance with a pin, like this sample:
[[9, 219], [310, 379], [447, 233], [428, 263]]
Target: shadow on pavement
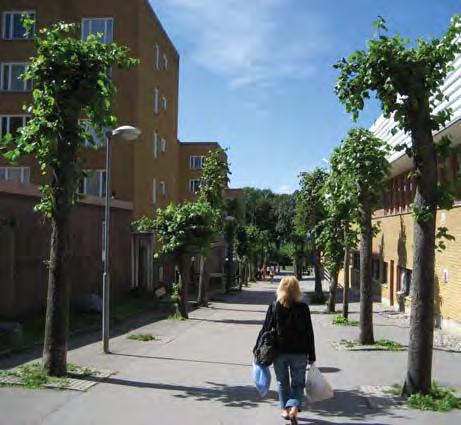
[[80, 339], [322, 422], [326, 369], [181, 360], [352, 404], [231, 321], [242, 396]]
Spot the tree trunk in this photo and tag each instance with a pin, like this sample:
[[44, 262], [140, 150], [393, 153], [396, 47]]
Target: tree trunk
[[57, 306], [333, 288], [229, 266], [203, 284], [246, 271], [318, 273], [184, 271], [298, 268], [366, 285], [346, 276], [419, 372]]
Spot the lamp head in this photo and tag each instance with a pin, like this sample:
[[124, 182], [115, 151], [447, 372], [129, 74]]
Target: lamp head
[[127, 132]]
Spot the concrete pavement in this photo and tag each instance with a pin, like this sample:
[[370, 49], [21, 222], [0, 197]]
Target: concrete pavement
[[199, 372]]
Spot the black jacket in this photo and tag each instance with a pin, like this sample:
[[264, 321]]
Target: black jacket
[[293, 329]]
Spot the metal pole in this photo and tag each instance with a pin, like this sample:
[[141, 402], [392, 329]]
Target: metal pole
[[106, 275]]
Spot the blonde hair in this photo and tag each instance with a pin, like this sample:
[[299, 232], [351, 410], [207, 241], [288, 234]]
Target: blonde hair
[[289, 291]]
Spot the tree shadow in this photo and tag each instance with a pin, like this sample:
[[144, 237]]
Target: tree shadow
[[230, 321], [316, 421], [173, 359], [354, 404], [240, 396], [402, 245]]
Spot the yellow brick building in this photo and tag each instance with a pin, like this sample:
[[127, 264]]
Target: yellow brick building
[[150, 172], [393, 246]]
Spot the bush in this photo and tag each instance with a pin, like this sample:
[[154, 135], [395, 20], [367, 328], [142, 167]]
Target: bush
[[439, 400], [342, 321], [141, 337]]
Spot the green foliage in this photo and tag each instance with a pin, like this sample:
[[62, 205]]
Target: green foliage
[[32, 376], [362, 166], [441, 236], [186, 229], [70, 82], [144, 224], [407, 79], [310, 208], [382, 344], [402, 77], [214, 179], [342, 321], [175, 299], [439, 400], [141, 337]]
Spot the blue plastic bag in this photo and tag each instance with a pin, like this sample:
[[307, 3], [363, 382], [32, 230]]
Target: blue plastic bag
[[261, 378]]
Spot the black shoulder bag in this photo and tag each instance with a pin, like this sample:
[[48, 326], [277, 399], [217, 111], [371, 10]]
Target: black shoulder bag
[[265, 350]]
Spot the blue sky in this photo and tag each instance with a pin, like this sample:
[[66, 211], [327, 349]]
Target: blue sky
[[257, 76]]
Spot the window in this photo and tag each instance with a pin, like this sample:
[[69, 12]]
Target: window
[[11, 77], [165, 62], [384, 274], [13, 29], [156, 94], [163, 145], [164, 103], [94, 184], [155, 145], [356, 261], [163, 188], [154, 191], [11, 124], [15, 174], [98, 141], [196, 162], [194, 185], [101, 27], [157, 56], [375, 266]]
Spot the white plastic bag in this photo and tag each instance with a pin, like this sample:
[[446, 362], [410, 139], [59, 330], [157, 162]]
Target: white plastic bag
[[317, 387], [261, 378]]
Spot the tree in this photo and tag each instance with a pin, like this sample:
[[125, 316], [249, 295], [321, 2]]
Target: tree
[[70, 82], [214, 181], [310, 211], [407, 81], [341, 204], [364, 163], [185, 230], [331, 236]]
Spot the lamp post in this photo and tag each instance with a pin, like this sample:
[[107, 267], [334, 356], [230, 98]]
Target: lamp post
[[127, 133]]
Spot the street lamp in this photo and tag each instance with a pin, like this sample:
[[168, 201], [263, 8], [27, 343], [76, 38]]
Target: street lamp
[[127, 133]]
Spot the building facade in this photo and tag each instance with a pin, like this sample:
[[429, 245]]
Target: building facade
[[150, 172], [147, 174], [393, 246]]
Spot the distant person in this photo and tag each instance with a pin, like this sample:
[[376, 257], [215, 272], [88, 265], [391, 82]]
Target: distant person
[[294, 345]]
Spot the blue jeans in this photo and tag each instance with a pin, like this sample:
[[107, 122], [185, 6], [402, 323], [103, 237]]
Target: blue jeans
[[294, 366]]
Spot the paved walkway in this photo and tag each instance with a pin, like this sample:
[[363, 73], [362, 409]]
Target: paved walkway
[[199, 372]]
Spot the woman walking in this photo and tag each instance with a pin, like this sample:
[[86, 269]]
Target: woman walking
[[294, 346]]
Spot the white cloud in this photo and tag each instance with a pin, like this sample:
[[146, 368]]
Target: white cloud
[[249, 42], [285, 188]]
